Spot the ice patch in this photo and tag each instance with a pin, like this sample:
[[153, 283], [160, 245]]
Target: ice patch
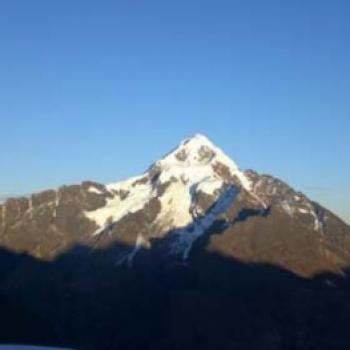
[[126, 184], [116, 208], [175, 207], [30, 207], [187, 236], [259, 200], [3, 216], [287, 208], [209, 186], [141, 243], [257, 185], [254, 193], [56, 203], [93, 189], [317, 222], [318, 225]]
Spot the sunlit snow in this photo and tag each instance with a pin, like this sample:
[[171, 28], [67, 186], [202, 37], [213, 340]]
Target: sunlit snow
[[191, 168]]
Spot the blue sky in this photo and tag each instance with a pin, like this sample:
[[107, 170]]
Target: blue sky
[[99, 89]]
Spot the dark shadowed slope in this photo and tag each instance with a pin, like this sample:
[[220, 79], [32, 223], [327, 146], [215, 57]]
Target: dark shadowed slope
[[84, 300]]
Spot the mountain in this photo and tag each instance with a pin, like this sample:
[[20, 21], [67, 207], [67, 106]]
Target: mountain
[[173, 204], [193, 253]]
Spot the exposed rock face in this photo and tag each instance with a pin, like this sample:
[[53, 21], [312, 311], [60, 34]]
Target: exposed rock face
[[48, 223], [192, 221], [297, 234]]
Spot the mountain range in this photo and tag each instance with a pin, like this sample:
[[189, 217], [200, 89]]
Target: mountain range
[[193, 253]]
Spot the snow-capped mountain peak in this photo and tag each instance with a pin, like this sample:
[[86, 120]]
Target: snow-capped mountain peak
[[197, 159], [176, 181], [197, 150], [191, 188]]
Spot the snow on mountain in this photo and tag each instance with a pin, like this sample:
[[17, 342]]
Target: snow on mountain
[[200, 224], [128, 197], [195, 166], [196, 160]]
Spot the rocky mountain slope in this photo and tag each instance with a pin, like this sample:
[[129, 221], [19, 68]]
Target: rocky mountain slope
[[167, 257]]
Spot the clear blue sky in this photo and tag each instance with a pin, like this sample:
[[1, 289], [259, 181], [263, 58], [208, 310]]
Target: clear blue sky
[[99, 89]]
